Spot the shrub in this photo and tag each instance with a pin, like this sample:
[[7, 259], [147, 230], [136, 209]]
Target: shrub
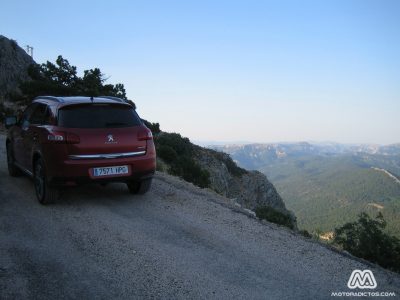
[[61, 79], [366, 239], [305, 233], [181, 145], [161, 165], [272, 215], [154, 127], [192, 172], [167, 153], [177, 151]]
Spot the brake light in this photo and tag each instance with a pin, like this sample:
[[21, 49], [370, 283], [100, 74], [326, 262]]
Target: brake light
[[145, 134], [63, 137]]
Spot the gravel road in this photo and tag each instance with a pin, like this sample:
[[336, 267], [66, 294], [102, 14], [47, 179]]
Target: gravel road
[[176, 242]]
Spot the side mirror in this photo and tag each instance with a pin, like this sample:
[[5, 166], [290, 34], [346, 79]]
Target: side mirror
[[10, 121]]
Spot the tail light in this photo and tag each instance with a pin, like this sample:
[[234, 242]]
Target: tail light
[[145, 134], [63, 137]]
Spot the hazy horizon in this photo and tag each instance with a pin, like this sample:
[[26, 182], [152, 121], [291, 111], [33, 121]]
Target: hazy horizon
[[234, 71], [205, 143]]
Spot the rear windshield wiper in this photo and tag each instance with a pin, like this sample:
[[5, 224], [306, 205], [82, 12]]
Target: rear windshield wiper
[[110, 124]]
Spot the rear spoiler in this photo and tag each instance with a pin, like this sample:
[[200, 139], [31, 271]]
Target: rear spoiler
[[130, 102]]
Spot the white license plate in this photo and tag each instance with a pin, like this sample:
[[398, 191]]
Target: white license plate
[[108, 171]]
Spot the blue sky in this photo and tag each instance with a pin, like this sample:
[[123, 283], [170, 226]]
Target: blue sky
[[259, 71]]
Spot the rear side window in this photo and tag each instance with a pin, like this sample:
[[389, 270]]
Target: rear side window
[[97, 116], [41, 115]]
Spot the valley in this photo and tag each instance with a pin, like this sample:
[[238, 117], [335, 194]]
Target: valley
[[327, 185]]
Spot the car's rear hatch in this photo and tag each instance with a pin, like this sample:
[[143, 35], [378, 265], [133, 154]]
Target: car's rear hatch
[[104, 130]]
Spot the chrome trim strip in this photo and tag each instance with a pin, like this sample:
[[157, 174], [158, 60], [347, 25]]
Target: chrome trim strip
[[105, 156]]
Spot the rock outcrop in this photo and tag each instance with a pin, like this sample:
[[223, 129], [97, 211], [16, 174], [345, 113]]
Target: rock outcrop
[[248, 188], [14, 63]]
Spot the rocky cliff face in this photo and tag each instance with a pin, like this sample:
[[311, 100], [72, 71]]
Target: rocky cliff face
[[14, 62], [248, 188]]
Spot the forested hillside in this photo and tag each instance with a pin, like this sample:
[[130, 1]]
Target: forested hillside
[[329, 186], [326, 192]]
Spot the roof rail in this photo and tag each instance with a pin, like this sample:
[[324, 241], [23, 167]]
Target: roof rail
[[58, 99]]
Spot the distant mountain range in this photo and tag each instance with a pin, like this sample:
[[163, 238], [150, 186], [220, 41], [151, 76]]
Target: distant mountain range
[[328, 184]]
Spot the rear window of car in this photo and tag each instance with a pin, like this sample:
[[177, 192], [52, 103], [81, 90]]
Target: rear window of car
[[97, 115]]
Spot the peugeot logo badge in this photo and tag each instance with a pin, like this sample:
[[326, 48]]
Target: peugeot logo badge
[[110, 139]]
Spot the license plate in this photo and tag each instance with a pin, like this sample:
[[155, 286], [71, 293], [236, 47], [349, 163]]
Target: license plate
[[110, 171]]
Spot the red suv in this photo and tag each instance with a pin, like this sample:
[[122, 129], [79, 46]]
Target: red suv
[[65, 141]]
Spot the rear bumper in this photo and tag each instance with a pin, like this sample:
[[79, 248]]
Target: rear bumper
[[73, 181], [71, 172]]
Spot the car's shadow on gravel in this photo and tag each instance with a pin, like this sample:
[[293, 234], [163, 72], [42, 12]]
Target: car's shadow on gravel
[[110, 194]]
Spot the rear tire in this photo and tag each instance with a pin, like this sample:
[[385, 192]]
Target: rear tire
[[13, 170], [44, 193], [139, 187]]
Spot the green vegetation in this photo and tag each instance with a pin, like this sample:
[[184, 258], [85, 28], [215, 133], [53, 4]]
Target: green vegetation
[[154, 127], [327, 192], [272, 215], [329, 185], [366, 238], [61, 79], [305, 233], [177, 152]]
